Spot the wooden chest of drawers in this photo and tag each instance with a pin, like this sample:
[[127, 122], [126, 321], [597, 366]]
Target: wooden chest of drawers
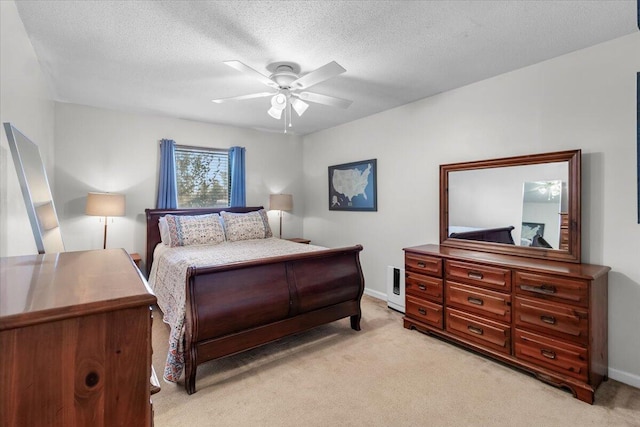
[[75, 334], [546, 317]]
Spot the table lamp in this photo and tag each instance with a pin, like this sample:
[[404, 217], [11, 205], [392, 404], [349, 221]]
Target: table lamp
[[106, 205], [280, 202]]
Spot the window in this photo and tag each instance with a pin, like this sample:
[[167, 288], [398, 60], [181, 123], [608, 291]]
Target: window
[[202, 177]]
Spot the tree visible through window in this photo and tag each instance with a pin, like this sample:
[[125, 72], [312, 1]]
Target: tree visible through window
[[202, 176]]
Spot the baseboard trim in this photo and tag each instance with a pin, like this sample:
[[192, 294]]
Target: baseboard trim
[[375, 294], [624, 377]]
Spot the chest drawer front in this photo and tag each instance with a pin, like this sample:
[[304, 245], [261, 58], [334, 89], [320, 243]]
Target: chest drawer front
[[555, 288], [423, 264], [557, 355], [492, 304], [554, 319], [424, 286], [481, 331], [480, 275], [424, 311]]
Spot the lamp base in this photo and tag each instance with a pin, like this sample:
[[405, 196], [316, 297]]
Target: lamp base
[[104, 242]]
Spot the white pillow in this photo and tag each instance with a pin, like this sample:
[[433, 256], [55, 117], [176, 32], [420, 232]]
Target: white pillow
[[164, 231]]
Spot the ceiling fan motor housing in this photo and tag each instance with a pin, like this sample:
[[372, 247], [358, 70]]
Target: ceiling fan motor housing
[[284, 76]]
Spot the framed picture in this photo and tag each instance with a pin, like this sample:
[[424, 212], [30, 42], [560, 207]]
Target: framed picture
[[530, 229], [353, 187]]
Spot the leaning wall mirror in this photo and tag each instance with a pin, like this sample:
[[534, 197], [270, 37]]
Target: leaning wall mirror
[[526, 205], [35, 191]]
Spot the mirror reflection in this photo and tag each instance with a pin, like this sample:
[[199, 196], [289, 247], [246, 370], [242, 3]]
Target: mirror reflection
[[517, 205], [542, 211]]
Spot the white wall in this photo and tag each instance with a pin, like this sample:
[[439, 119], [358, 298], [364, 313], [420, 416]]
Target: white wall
[[25, 102], [585, 100], [108, 151]]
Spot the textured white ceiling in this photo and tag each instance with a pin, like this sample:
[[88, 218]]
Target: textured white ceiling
[[165, 57]]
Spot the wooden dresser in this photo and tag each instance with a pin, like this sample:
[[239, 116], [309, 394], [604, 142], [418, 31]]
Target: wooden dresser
[[75, 334], [546, 317]]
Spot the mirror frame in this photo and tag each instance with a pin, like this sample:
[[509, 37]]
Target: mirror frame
[[573, 157]]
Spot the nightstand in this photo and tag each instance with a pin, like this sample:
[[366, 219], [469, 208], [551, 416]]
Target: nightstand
[[136, 258], [300, 240]]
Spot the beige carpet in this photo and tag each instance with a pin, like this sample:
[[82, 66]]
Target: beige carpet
[[384, 375]]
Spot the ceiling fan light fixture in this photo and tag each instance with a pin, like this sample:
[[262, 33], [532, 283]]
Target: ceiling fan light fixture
[[279, 101], [278, 104], [275, 113], [299, 105]]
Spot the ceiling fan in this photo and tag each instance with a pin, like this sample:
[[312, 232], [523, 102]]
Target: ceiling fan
[[290, 88], [550, 189]]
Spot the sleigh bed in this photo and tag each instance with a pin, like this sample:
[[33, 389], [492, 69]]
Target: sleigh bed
[[217, 308]]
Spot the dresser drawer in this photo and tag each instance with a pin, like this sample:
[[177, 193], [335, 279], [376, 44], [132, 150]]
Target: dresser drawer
[[423, 264], [487, 333], [424, 311], [487, 303], [556, 288], [554, 319], [563, 357], [481, 275], [423, 286]]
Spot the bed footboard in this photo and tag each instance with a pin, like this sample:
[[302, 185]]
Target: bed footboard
[[236, 307]]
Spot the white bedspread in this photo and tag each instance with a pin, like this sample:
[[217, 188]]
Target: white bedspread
[[168, 276]]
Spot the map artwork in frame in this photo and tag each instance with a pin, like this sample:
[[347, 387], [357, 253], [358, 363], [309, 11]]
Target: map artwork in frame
[[353, 187]]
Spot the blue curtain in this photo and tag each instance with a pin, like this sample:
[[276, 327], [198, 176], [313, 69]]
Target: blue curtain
[[167, 187], [238, 186]]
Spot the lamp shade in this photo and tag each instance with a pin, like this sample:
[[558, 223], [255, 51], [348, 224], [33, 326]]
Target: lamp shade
[[281, 202], [105, 204]]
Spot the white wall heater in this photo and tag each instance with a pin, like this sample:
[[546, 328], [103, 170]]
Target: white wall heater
[[395, 288]]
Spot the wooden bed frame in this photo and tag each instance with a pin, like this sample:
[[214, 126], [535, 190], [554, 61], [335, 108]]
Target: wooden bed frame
[[235, 307]]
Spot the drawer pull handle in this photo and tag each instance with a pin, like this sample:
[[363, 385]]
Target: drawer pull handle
[[476, 301], [422, 264], [542, 289], [548, 354], [422, 311], [422, 287], [475, 275], [548, 319], [475, 330]]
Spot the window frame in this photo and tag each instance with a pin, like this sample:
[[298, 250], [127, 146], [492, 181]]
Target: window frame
[[209, 151]]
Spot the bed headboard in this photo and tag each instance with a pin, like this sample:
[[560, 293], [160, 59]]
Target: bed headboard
[[153, 216]]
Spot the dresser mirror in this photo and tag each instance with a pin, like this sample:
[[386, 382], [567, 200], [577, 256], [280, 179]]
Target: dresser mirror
[[526, 205]]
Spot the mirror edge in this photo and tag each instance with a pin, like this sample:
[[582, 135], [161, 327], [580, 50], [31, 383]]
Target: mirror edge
[[573, 254]]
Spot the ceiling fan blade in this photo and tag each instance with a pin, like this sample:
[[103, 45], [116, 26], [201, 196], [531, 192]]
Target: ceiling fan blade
[[243, 68], [323, 73], [242, 97], [324, 99]]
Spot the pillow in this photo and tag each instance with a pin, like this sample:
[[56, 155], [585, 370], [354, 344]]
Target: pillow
[[164, 231], [246, 226], [187, 230], [265, 219]]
